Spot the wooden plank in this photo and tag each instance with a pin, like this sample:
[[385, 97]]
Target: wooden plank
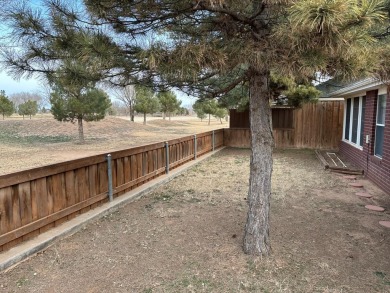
[[134, 168], [179, 140], [144, 163], [70, 189], [16, 218], [136, 150], [139, 165], [150, 162], [93, 185], [25, 203], [83, 186], [139, 181], [50, 182], [120, 172], [12, 243], [39, 198], [181, 161], [59, 198], [45, 171], [103, 177], [48, 220], [6, 210], [127, 169]]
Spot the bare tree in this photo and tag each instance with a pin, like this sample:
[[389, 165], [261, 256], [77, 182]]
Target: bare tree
[[23, 97], [127, 96]]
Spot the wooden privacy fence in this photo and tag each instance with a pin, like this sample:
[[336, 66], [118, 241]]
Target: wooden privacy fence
[[35, 200], [318, 125]]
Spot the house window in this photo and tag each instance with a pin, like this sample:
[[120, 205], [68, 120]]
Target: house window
[[380, 125], [354, 120]]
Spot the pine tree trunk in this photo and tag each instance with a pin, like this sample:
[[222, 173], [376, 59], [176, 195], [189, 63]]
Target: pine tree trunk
[[81, 130], [144, 118], [256, 239], [209, 118], [164, 115], [169, 115]]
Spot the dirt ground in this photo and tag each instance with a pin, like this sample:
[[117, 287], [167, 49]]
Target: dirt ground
[[186, 236], [25, 144]]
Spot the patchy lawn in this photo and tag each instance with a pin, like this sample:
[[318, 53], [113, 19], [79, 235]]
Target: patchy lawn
[[187, 235], [33, 143]]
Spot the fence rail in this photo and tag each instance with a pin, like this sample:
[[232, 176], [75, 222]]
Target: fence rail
[[33, 201]]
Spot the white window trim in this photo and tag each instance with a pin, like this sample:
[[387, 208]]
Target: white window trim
[[359, 126], [376, 122]]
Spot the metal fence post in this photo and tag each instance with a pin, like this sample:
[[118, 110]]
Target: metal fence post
[[109, 172], [213, 140], [166, 158], [195, 147]]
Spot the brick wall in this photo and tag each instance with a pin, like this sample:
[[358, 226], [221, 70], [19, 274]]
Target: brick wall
[[377, 170]]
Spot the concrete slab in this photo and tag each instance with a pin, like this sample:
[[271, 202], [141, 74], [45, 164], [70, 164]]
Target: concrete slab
[[21, 252]]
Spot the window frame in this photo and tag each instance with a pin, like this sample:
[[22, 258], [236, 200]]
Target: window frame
[[380, 124], [360, 121]]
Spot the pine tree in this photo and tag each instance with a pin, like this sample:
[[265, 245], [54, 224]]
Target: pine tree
[[6, 106], [146, 102], [168, 102], [29, 108]]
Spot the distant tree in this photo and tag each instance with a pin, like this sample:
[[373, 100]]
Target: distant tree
[[169, 103], [6, 106], [29, 108], [127, 96], [23, 97], [146, 102], [198, 109], [89, 105], [220, 113], [119, 108], [209, 107], [183, 111]]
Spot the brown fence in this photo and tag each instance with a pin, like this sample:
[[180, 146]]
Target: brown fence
[[35, 200], [312, 126]]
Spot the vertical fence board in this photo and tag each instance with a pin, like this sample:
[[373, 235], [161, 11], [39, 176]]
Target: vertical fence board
[[6, 210], [139, 166], [120, 175], [93, 183], [127, 171], [103, 177], [25, 203], [134, 167], [16, 218], [39, 193]]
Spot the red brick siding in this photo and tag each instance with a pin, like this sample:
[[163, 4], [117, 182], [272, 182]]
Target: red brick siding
[[377, 170]]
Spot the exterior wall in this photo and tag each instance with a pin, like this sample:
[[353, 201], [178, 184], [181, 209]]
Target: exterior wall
[[376, 169]]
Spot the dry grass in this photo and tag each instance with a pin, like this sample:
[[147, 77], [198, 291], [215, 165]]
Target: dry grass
[[186, 237], [29, 143]]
